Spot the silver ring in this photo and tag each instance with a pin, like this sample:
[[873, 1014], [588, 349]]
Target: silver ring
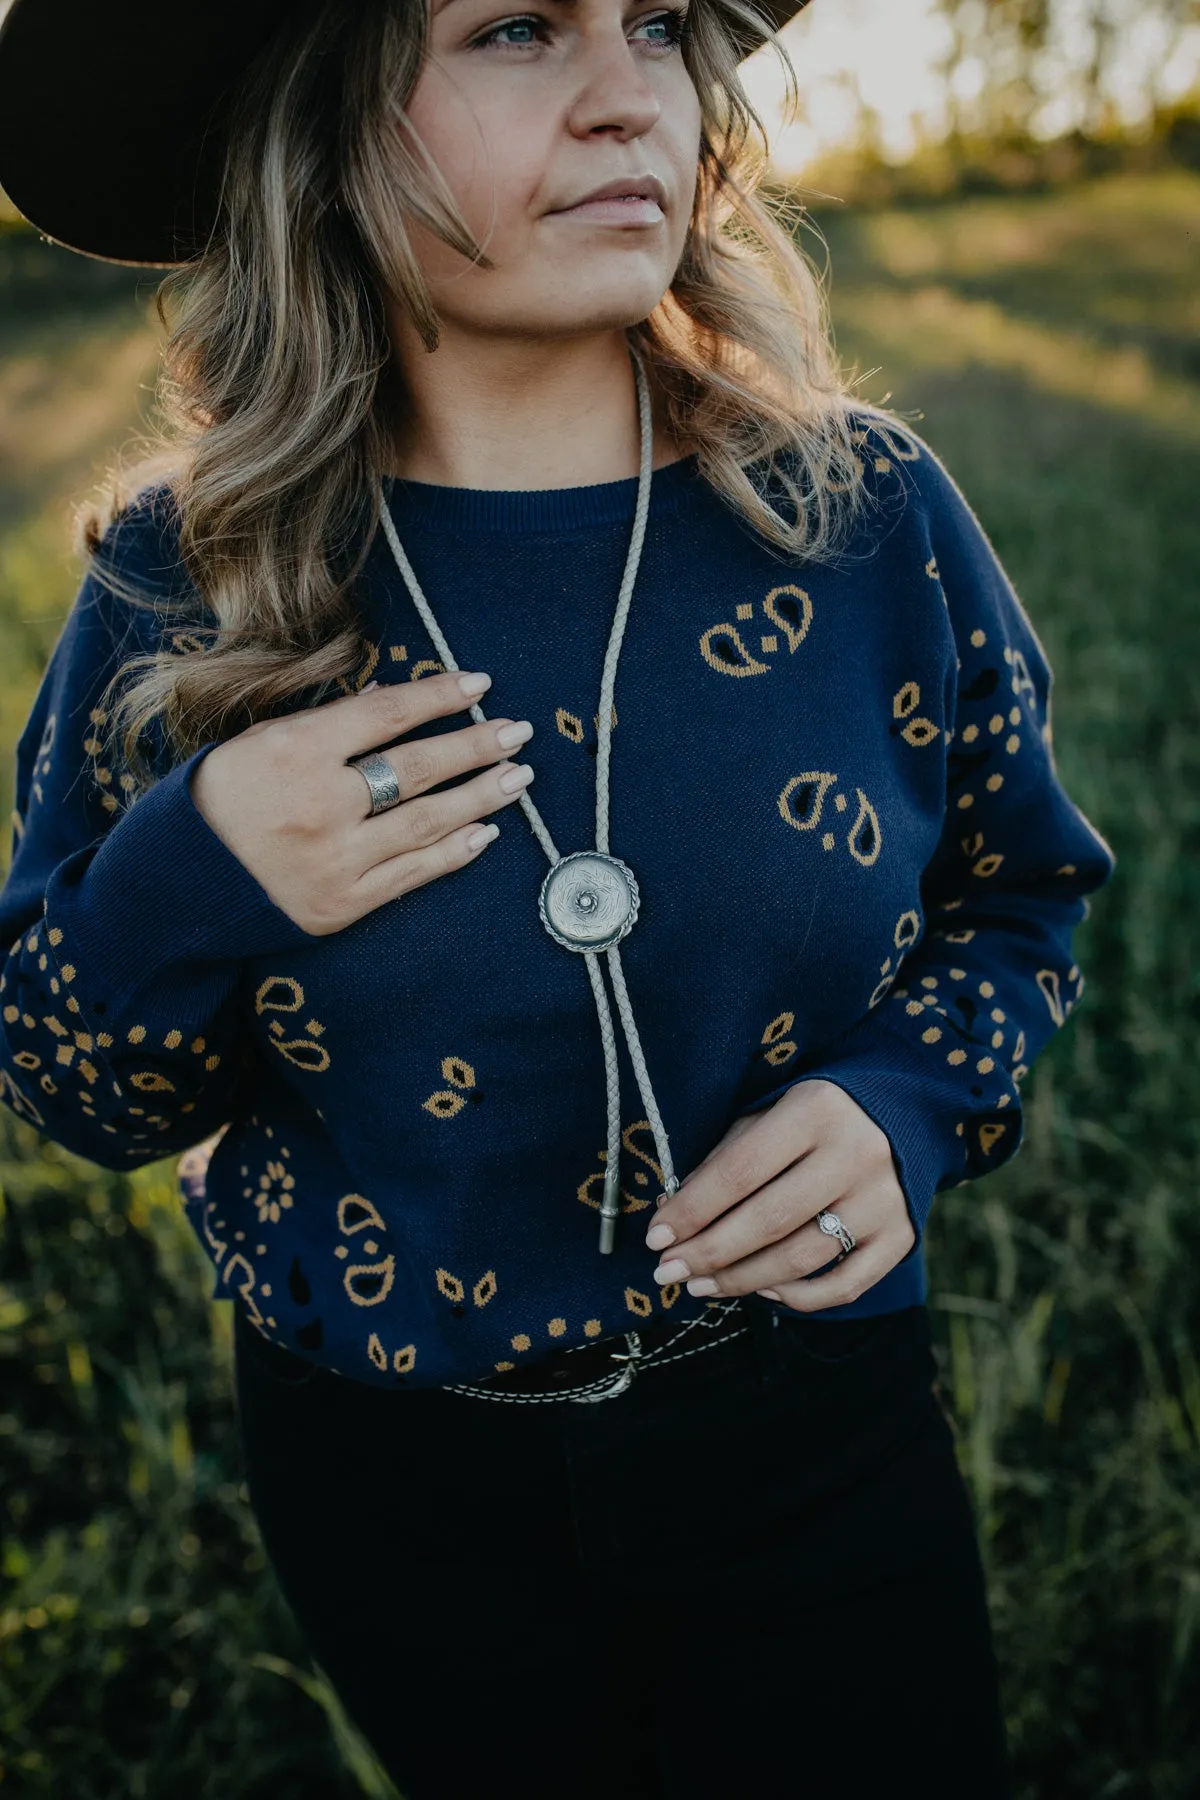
[[832, 1226], [381, 778]]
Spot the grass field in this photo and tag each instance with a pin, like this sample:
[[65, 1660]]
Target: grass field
[[1049, 348]]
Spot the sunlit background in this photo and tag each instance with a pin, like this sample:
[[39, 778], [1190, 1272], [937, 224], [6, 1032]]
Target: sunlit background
[[909, 71], [1009, 196]]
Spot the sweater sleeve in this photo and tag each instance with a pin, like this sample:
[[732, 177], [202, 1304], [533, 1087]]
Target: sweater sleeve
[[938, 1060], [124, 930]]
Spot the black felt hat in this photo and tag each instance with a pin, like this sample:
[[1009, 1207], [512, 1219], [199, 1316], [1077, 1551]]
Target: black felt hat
[[112, 115]]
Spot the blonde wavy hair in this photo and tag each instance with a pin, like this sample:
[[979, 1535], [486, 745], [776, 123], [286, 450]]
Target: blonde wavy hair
[[279, 394]]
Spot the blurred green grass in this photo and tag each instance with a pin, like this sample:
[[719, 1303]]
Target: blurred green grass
[[1049, 348]]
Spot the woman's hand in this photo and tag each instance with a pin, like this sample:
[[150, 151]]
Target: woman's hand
[[744, 1221], [283, 797]]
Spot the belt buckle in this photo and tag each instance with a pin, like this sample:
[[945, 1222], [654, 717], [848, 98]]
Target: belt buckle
[[630, 1357]]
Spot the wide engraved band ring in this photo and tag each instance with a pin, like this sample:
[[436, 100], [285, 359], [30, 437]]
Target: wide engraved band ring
[[832, 1226], [381, 778]]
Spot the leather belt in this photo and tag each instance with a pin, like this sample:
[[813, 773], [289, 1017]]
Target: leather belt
[[605, 1368]]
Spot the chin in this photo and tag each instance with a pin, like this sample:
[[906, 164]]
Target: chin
[[594, 304]]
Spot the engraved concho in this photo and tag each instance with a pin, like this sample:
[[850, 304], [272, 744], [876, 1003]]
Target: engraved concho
[[589, 901]]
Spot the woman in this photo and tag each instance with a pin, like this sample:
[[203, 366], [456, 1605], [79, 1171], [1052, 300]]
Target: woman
[[488, 349]]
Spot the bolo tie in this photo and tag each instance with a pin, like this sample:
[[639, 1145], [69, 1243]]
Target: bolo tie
[[589, 899]]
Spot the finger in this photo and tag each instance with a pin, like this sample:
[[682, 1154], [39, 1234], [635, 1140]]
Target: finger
[[422, 763], [735, 1131], [425, 762], [400, 875], [857, 1271], [866, 1214], [360, 722], [427, 818], [771, 1216], [771, 1142], [779, 1264]]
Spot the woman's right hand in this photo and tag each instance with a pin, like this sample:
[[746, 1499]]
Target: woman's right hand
[[284, 799]]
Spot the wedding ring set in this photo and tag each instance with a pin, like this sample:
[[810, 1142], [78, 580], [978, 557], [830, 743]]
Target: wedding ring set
[[832, 1226]]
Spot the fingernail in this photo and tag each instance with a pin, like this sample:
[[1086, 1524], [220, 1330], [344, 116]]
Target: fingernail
[[370, 685], [514, 779], [672, 1271], [661, 1201], [474, 684], [702, 1284], [509, 736], [770, 1294], [659, 1237]]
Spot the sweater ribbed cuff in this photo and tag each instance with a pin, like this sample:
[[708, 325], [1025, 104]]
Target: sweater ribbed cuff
[[162, 897], [890, 1080]]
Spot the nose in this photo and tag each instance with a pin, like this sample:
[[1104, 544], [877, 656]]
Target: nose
[[613, 93]]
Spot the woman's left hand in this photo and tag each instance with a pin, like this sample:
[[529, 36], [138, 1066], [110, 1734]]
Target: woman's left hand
[[744, 1221]]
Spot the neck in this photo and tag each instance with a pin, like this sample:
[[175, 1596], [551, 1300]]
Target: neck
[[506, 413]]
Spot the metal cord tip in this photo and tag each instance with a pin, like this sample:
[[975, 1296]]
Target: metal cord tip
[[610, 1209]]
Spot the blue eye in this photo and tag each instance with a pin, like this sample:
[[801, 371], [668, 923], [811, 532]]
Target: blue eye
[[493, 36], [671, 23]]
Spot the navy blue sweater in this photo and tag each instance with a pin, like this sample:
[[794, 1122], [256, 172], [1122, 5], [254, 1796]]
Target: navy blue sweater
[[834, 784]]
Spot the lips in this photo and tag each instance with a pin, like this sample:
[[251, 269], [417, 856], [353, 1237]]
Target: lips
[[628, 188]]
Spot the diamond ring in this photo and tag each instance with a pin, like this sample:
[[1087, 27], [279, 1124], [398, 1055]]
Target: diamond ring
[[832, 1226]]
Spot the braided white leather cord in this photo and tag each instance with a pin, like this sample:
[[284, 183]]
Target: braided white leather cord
[[604, 728]]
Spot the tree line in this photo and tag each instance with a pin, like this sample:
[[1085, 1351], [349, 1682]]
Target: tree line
[[1015, 69]]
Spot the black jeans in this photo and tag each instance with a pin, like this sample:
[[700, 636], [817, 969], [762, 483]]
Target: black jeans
[[753, 1573]]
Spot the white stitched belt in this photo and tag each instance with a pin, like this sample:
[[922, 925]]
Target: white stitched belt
[[704, 1332]]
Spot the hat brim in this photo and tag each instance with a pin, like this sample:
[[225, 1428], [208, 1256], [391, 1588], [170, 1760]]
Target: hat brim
[[110, 117]]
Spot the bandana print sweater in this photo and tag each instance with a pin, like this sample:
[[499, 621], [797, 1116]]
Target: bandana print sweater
[[835, 786]]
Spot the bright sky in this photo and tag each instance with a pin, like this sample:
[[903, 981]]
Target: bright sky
[[891, 49]]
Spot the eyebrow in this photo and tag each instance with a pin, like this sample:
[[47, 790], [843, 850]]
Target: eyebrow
[[566, 5], [447, 4]]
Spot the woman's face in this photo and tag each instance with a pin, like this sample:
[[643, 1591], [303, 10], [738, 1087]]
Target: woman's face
[[527, 113]]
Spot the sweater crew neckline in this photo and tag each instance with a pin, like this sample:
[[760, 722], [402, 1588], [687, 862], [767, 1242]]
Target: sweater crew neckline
[[534, 509]]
